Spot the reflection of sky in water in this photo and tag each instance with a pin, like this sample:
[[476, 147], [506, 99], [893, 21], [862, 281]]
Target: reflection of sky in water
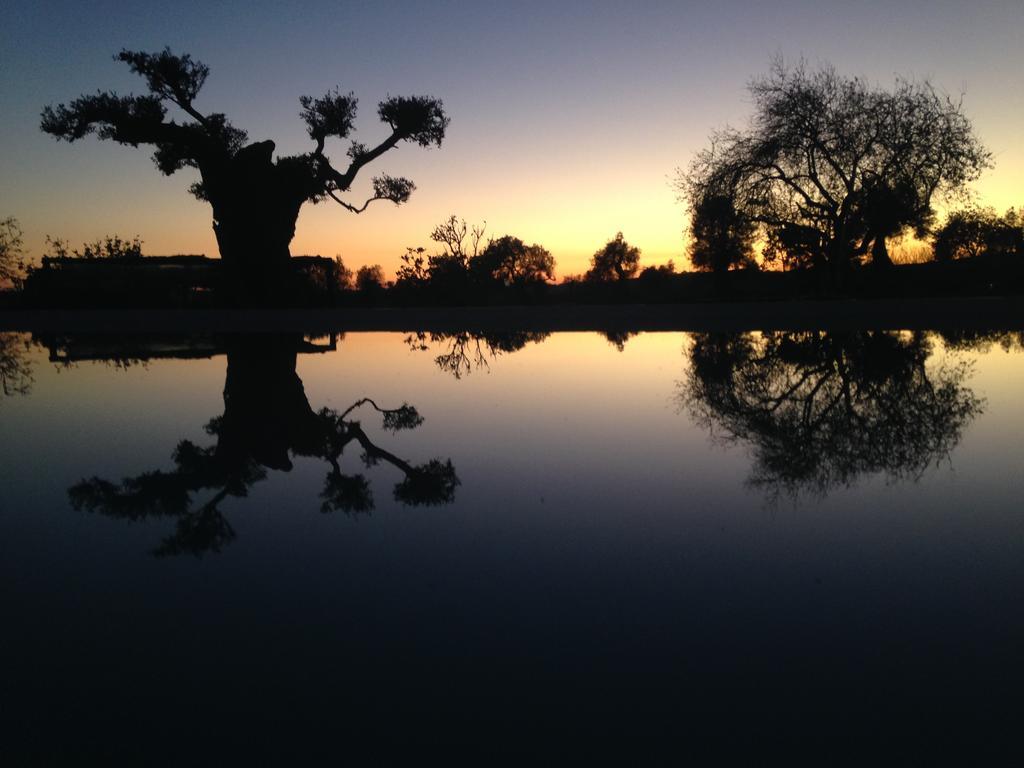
[[598, 540], [568, 430]]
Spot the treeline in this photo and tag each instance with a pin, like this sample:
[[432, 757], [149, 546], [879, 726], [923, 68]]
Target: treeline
[[976, 252], [464, 268]]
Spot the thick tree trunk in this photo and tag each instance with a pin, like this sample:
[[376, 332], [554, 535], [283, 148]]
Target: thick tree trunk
[[254, 214], [880, 254], [254, 249]]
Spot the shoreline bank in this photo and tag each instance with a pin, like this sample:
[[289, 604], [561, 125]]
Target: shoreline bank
[[857, 314]]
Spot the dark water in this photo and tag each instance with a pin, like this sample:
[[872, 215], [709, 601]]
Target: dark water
[[203, 542]]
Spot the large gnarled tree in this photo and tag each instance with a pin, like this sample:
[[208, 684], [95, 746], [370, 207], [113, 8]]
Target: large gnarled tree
[[255, 197], [832, 167]]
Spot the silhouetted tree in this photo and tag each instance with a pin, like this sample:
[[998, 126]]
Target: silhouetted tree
[[830, 166], [255, 197], [821, 409], [617, 260], [976, 231], [267, 419], [414, 272], [370, 278], [344, 276], [721, 237], [459, 241], [12, 265], [448, 271], [510, 262], [109, 247], [660, 270]]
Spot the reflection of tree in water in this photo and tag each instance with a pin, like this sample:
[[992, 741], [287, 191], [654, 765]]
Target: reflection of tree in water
[[15, 369], [467, 350], [819, 410], [618, 339], [267, 418], [981, 341]]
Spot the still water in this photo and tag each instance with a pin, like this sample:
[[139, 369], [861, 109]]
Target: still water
[[203, 536]]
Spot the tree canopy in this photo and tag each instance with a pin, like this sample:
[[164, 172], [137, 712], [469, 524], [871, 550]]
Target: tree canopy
[[977, 231], [617, 260], [721, 237], [370, 278], [832, 166], [511, 262]]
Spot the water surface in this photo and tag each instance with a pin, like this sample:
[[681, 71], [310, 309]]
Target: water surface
[[540, 532]]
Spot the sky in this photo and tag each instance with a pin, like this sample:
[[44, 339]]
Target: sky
[[568, 120]]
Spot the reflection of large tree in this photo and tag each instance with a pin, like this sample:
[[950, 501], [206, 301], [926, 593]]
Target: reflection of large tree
[[267, 419], [821, 409]]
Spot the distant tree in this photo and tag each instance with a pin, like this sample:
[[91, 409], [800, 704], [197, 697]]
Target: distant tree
[[413, 273], [109, 247], [459, 241], [12, 266], [658, 271], [617, 260], [255, 198], [449, 269], [370, 278], [343, 274], [509, 261], [831, 166], [721, 237], [976, 231]]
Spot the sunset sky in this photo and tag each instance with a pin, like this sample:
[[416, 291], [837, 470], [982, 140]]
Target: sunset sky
[[568, 120]]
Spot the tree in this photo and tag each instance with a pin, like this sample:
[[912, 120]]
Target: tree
[[255, 197], [343, 275], [459, 241], [370, 278], [414, 272], [12, 266], [509, 261], [617, 260], [110, 247], [831, 167], [976, 231], [448, 270], [722, 238]]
